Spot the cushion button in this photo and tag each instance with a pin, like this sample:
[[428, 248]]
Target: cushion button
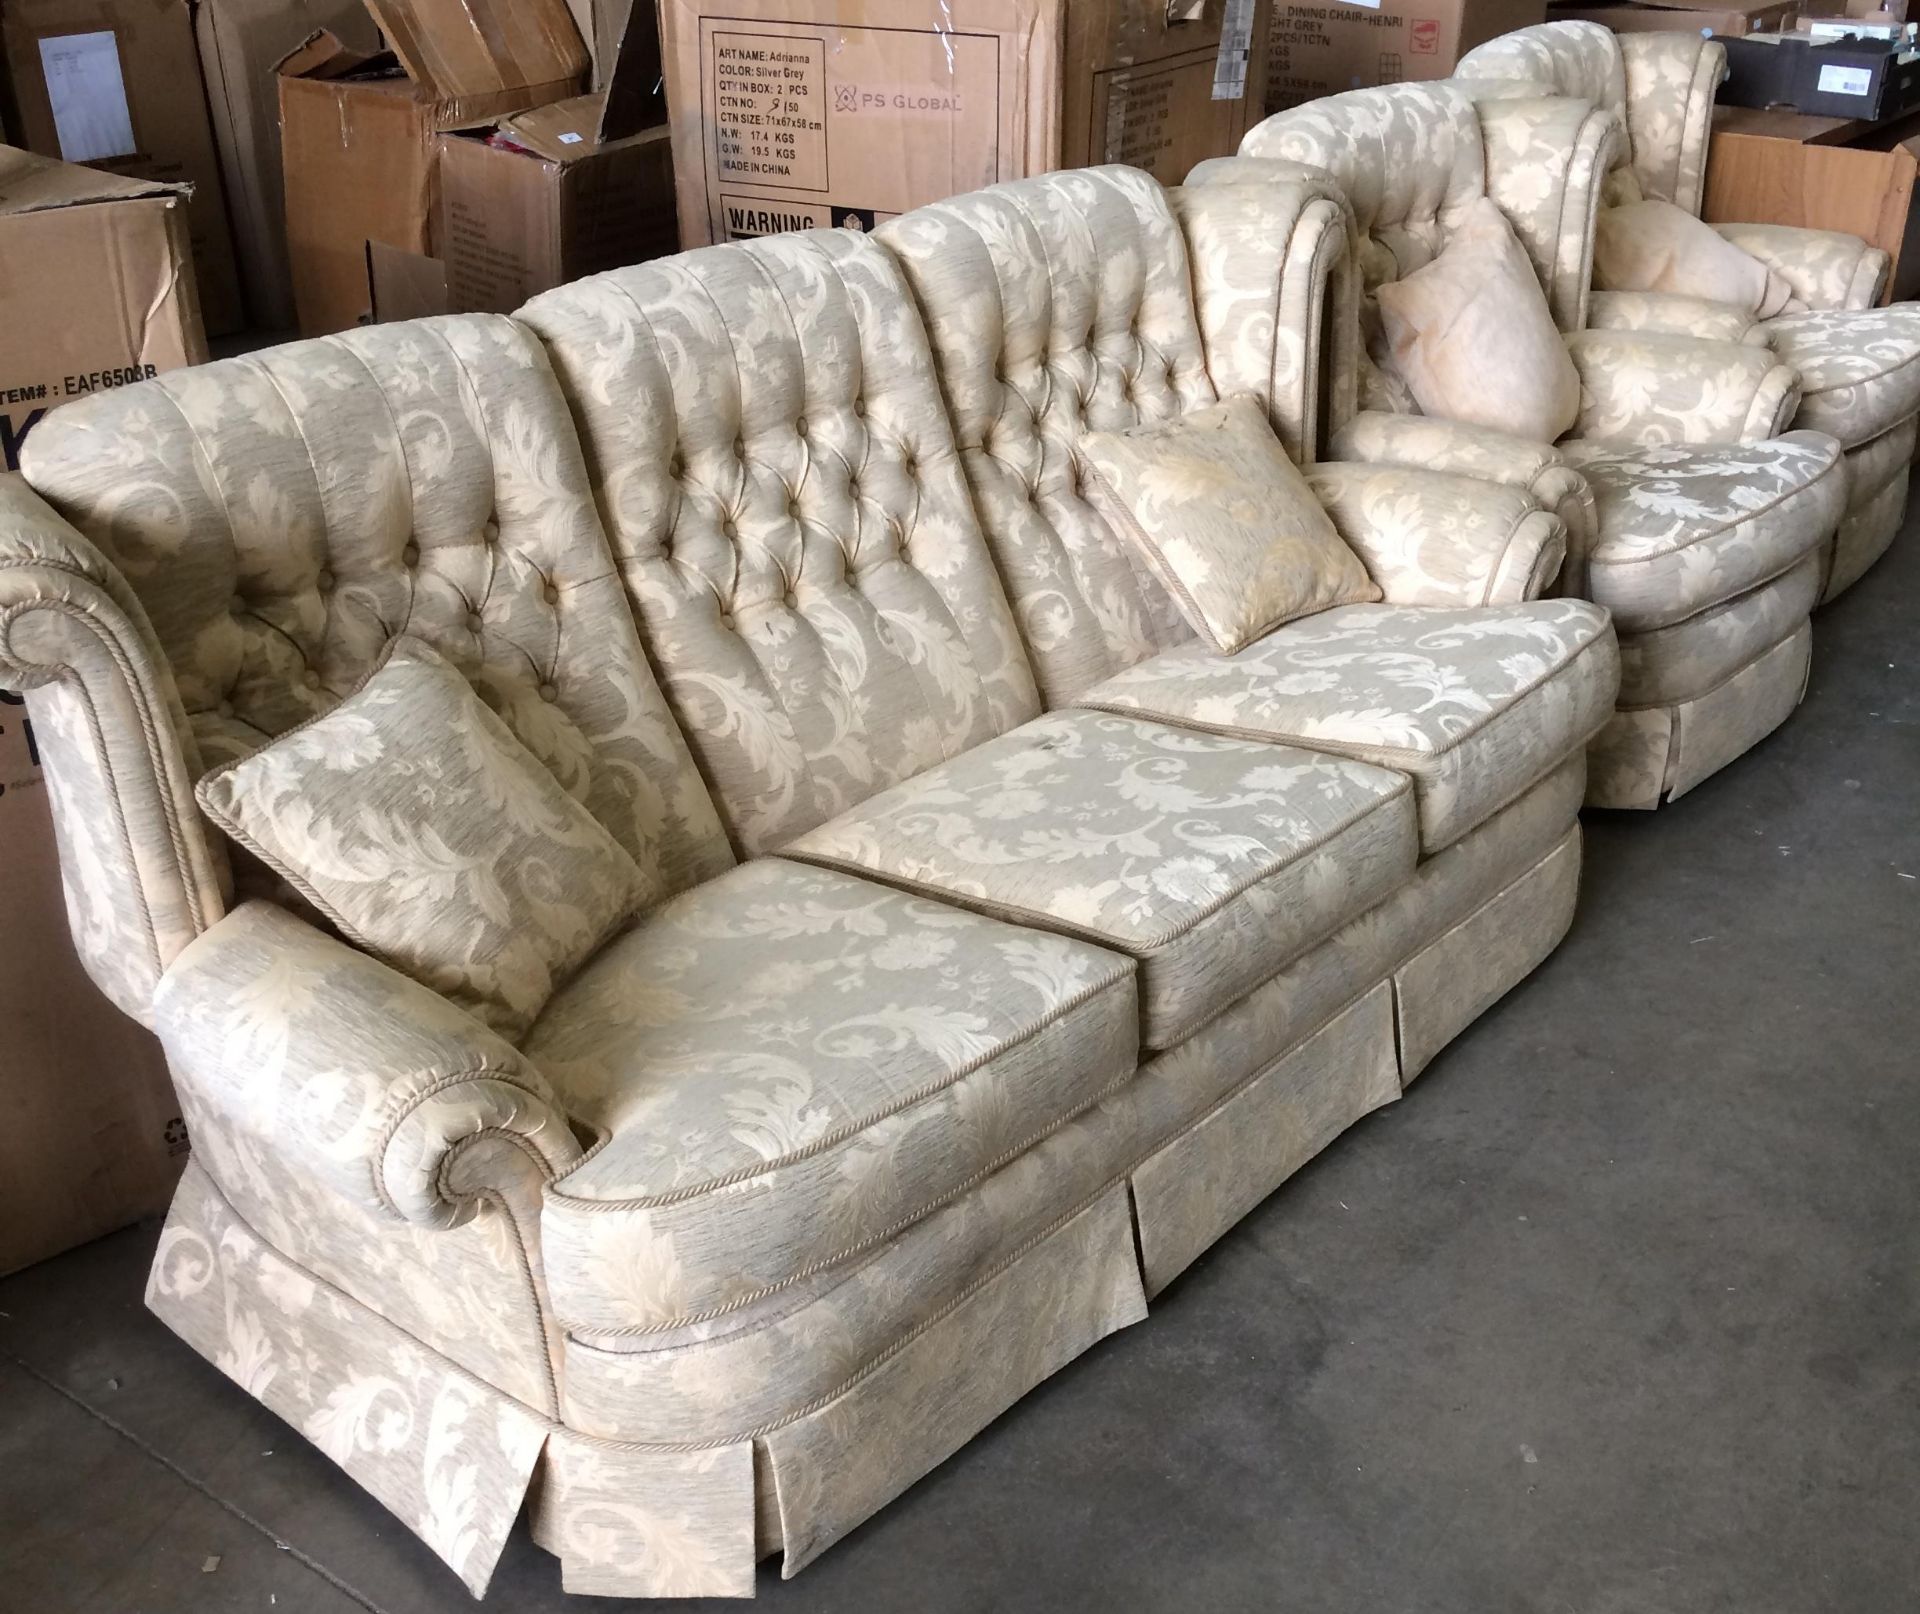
[[324, 582], [491, 532], [860, 407], [311, 679], [793, 508], [549, 693], [551, 593], [740, 448], [800, 427], [238, 604], [225, 709], [410, 556], [474, 624]]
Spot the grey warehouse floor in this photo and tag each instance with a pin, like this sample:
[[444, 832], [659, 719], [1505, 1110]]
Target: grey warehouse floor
[[1617, 1312]]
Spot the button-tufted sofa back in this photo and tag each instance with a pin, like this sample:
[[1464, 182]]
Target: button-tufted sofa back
[[778, 477], [1659, 85], [281, 517], [1056, 306]]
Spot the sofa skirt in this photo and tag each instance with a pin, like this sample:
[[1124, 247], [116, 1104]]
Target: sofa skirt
[[938, 1332], [1877, 473], [1652, 754]]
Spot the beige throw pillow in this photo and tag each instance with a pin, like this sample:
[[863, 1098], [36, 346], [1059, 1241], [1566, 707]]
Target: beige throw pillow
[[1655, 246], [1225, 521], [1473, 338], [411, 818]]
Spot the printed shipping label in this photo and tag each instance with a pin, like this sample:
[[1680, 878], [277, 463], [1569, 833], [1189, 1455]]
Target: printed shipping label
[[808, 125], [1835, 80], [89, 97]]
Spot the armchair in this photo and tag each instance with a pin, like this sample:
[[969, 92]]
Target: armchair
[[1859, 365], [1655, 482]]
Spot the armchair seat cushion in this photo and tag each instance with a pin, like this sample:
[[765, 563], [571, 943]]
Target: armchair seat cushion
[[1475, 705], [1859, 368], [1682, 527], [786, 1066], [1212, 862]]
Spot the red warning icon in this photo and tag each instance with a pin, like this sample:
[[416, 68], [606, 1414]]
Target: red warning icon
[[1423, 38]]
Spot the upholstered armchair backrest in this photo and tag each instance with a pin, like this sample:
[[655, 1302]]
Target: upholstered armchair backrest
[[1059, 305], [281, 517], [1409, 158], [1660, 85], [777, 475]]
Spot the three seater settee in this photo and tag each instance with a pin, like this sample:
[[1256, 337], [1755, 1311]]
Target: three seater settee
[[1003, 945]]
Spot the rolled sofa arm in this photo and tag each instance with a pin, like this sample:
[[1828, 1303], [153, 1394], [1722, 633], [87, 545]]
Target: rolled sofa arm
[[1547, 160], [1667, 311], [1826, 268], [1538, 469], [142, 877], [1277, 291], [1651, 387], [1432, 539], [290, 1046]]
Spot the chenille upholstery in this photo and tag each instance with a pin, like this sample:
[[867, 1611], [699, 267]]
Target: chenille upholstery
[[955, 1018], [1680, 488], [1859, 366]]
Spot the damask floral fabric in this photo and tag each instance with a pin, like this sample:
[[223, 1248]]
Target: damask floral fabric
[[1225, 521], [1678, 316], [1211, 861], [1825, 268], [1859, 370], [283, 516], [789, 1065], [1654, 388], [1055, 306], [1666, 666], [1433, 539], [781, 487], [1683, 528], [447, 1455], [141, 876], [1475, 705], [413, 819]]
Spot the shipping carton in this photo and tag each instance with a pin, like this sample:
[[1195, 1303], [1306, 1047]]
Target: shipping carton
[[93, 1138], [116, 84], [360, 135], [1325, 46], [98, 288], [792, 114], [541, 201], [240, 43], [1733, 20]]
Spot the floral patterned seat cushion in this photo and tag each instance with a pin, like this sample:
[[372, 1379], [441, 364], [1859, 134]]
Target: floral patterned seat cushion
[[1475, 705], [1686, 526], [790, 1065], [1213, 862], [1859, 368]]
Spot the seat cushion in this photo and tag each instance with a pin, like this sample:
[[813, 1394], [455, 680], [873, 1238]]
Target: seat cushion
[[1475, 705], [1859, 368], [788, 1065], [1213, 862], [1685, 526]]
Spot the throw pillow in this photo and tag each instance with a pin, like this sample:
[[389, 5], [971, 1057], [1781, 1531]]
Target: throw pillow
[[414, 821], [1224, 519], [1473, 338], [1655, 246]]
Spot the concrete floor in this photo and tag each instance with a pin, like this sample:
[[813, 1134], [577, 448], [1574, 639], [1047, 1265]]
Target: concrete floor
[[1617, 1313]]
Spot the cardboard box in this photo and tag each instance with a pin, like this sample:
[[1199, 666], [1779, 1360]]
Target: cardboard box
[[116, 84], [240, 42], [1325, 46], [93, 1138], [1866, 79], [98, 290], [360, 136], [1727, 21], [541, 201], [792, 114]]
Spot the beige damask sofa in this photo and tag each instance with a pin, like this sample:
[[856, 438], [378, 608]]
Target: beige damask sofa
[[1701, 527], [1005, 947], [1859, 366]]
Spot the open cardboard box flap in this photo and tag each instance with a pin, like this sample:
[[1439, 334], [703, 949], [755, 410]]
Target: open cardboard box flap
[[560, 131], [459, 49], [31, 184]]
